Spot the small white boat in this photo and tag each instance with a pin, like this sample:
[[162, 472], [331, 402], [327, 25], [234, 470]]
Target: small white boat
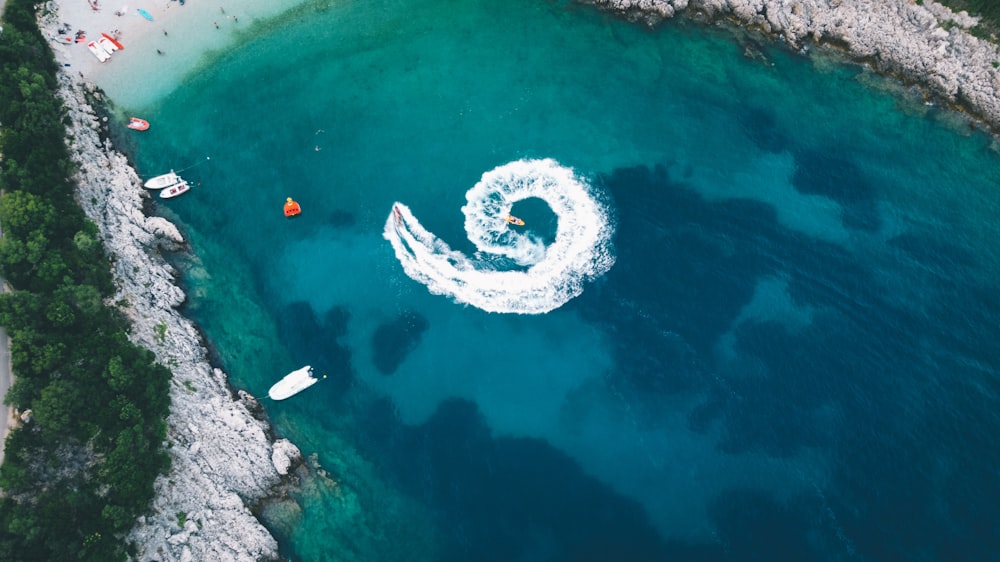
[[107, 45], [98, 52], [175, 190], [293, 383], [162, 181]]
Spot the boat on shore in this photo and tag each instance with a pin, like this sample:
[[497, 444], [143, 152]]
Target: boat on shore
[[293, 383], [163, 180], [113, 41], [175, 190], [98, 52], [108, 46], [137, 124]]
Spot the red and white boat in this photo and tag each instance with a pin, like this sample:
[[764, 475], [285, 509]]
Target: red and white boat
[[137, 124], [113, 41], [98, 52], [175, 190], [106, 44]]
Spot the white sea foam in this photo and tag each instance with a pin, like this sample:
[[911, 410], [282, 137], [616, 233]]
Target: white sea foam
[[552, 275]]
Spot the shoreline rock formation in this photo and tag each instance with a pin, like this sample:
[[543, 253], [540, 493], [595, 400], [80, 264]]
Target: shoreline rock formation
[[922, 42], [224, 458]]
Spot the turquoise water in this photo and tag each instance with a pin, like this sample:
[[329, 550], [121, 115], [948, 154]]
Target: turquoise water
[[793, 355]]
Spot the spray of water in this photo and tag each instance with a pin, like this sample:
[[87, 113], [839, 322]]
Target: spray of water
[[539, 278]]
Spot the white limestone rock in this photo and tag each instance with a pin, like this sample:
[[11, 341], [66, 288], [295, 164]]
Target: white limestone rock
[[222, 456], [284, 455]]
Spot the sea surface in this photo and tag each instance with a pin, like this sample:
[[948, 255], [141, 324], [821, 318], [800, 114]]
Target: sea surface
[[752, 313]]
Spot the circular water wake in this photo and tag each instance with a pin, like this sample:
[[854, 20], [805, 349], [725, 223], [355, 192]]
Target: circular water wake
[[551, 276]]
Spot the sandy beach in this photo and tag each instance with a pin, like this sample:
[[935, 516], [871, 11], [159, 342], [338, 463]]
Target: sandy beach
[[157, 53]]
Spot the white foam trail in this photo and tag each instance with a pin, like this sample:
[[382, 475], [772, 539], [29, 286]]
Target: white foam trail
[[553, 275]]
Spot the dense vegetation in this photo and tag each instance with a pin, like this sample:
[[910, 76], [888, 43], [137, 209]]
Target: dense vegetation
[[988, 10], [75, 476]]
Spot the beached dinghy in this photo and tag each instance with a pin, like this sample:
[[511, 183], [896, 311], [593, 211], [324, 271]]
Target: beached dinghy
[[293, 383], [106, 44], [98, 52], [163, 181], [113, 41]]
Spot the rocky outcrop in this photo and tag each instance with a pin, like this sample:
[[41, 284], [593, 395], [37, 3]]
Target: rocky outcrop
[[223, 456], [923, 42]]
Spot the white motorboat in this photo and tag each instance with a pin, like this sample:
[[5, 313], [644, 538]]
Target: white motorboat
[[175, 190], [162, 181], [293, 383]]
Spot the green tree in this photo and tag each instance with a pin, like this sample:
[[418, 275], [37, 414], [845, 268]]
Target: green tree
[[58, 410]]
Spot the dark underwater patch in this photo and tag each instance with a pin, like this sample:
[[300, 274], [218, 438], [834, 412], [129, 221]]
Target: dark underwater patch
[[879, 380], [397, 338], [503, 498], [828, 174], [762, 127], [341, 219], [311, 342]]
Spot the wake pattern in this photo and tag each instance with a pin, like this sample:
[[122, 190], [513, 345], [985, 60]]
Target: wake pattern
[[512, 271]]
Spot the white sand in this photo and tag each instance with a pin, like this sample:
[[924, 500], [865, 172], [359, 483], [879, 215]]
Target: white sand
[[137, 76]]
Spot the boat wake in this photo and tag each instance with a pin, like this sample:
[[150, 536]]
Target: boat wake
[[512, 271]]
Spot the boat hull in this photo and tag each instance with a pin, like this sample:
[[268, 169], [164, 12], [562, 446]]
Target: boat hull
[[98, 52], [107, 45], [175, 190], [163, 181], [113, 41], [137, 124], [292, 384]]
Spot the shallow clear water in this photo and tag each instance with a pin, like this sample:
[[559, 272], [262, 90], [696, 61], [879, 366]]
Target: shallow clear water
[[793, 356]]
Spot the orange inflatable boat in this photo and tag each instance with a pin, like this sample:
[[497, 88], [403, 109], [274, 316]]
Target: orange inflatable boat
[[291, 208]]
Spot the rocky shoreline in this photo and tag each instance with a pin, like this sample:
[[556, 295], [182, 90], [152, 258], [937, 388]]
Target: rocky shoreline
[[224, 456], [922, 42]]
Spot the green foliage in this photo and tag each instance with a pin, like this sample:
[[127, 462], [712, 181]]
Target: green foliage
[[76, 477], [988, 10], [161, 331]]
